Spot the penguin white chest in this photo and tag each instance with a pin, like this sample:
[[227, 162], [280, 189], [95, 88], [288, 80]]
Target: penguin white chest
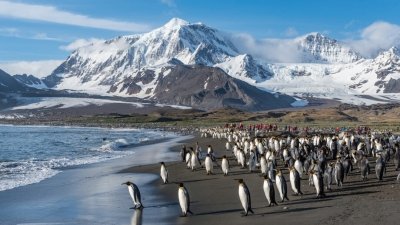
[[243, 197], [182, 200], [132, 194]]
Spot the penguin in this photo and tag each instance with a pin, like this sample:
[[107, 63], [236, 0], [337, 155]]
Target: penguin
[[164, 173], [244, 196], [242, 159], [263, 165], [299, 167], [280, 183], [364, 168], [225, 165], [271, 171], [339, 173], [295, 181], [380, 167], [329, 175], [193, 160], [209, 165], [135, 194], [227, 146], [396, 157], [318, 183], [252, 161], [188, 160], [184, 200], [269, 191], [347, 166]]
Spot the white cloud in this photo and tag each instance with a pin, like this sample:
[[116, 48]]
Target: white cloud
[[53, 15], [80, 43], [375, 38], [170, 3], [291, 32], [37, 68], [270, 50], [17, 33]]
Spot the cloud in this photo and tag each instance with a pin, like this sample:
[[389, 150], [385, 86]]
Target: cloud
[[53, 15], [291, 32], [170, 3], [17, 33], [269, 50], [80, 43], [376, 37], [37, 68]]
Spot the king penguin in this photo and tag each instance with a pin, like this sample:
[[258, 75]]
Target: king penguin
[[244, 196], [269, 191], [295, 181], [209, 165], [164, 173], [135, 194], [281, 185], [184, 200], [225, 165]]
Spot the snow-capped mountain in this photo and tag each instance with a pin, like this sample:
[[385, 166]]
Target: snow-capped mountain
[[139, 66], [317, 48], [30, 81]]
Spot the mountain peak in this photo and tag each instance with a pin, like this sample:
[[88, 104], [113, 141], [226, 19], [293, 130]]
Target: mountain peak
[[176, 22]]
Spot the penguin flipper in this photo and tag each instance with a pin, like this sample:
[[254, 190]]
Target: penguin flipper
[[189, 211], [250, 210]]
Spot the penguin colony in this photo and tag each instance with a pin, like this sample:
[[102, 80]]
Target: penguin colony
[[327, 159]]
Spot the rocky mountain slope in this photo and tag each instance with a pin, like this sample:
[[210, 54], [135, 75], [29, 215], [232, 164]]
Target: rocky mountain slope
[[139, 65]]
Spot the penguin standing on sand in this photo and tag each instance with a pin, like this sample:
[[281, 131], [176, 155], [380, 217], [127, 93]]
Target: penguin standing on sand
[[135, 194], [364, 168], [269, 191], [209, 165], [294, 177], [164, 173], [184, 200], [225, 165], [380, 167], [329, 176], [339, 173], [244, 196], [281, 185], [318, 183]]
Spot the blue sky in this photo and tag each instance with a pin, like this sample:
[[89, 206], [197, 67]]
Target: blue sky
[[32, 30]]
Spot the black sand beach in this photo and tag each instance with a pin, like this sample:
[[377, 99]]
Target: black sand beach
[[214, 198]]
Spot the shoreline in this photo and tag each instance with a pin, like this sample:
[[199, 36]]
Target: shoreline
[[90, 194]]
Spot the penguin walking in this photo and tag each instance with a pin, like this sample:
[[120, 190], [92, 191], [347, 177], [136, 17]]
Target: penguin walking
[[184, 200], [135, 194], [209, 165], [269, 191], [294, 177], [194, 161], [339, 173], [244, 196], [280, 183], [164, 173], [225, 165], [271, 171], [364, 168]]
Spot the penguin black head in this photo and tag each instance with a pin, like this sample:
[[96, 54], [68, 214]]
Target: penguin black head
[[224, 156], [162, 163], [180, 184], [266, 177], [240, 181], [127, 183]]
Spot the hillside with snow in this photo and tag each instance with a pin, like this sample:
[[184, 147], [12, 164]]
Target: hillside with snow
[[140, 65]]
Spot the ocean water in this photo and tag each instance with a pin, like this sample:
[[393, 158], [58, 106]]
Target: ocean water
[[30, 154]]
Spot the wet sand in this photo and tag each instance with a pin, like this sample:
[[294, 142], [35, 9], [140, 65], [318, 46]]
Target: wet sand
[[214, 198]]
